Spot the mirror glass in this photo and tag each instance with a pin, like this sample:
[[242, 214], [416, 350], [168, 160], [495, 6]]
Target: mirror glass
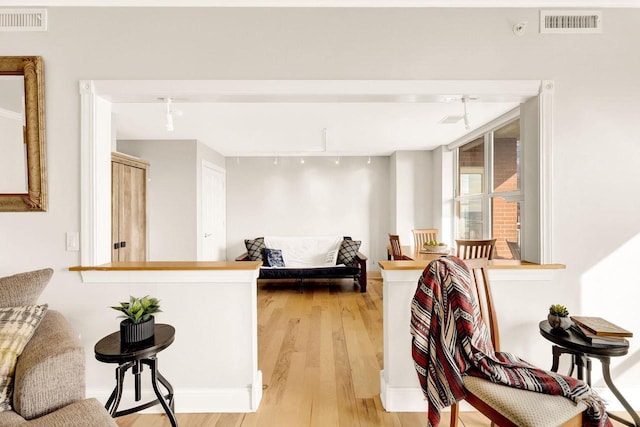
[[23, 183], [13, 162]]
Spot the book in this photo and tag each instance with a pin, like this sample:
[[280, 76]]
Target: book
[[595, 339], [600, 327]]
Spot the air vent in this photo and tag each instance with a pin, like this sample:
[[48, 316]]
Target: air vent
[[570, 22], [23, 19]]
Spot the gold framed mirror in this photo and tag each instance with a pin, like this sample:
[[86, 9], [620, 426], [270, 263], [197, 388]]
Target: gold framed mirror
[[23, 179]]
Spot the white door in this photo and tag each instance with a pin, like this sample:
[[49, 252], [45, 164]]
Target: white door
[[213, 216]]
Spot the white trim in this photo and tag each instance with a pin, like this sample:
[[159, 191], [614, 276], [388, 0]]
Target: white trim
[[205, 400], [493, 124], [88, 203], [327, 3], [546, 170]]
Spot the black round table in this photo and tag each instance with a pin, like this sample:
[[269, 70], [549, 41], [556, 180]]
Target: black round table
[[581, 351], [110, 350]]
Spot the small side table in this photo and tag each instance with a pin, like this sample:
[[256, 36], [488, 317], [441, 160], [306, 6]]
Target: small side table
[[581, 350], [110, 350]]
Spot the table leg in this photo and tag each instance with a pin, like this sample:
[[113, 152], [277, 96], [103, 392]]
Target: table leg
[[153, 364], [169, 388], [607, 379], [137, 370], [557, 351], [116, 395]]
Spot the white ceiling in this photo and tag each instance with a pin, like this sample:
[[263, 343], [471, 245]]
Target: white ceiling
[[292, 118]]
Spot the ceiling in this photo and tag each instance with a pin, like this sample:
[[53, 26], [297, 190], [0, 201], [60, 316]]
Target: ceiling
[[310, 118]]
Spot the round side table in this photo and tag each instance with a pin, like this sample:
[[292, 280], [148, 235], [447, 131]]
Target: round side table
[[110, 350], [581, 350]]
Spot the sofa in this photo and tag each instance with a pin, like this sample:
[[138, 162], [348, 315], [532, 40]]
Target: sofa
[[308, 257], [47, 387]]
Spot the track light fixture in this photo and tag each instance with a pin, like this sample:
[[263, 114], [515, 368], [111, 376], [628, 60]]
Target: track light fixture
[[465, 100], [170, 112]]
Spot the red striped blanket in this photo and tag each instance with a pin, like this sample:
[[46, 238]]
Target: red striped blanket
[[449, 340]]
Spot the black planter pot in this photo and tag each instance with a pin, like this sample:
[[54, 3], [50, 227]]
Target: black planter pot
[[136, 332]]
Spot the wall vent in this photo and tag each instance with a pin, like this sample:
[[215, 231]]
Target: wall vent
[[570, 22], [23, 19]]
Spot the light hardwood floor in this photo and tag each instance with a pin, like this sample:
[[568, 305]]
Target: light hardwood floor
[[320, 353]]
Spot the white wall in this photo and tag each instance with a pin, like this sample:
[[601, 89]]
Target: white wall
[[595, 138], [310, 199], [171, 197], [412, 187]]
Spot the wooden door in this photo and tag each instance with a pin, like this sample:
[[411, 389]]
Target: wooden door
[[129, 208]]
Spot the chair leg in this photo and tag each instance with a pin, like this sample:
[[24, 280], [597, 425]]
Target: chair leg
[[454, 415]]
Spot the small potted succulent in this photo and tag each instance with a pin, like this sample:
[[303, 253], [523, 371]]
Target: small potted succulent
[[558, 317], [138, 324]]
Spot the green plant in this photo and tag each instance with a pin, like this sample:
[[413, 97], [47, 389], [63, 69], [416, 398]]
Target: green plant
[[558, 310], [138, 310]]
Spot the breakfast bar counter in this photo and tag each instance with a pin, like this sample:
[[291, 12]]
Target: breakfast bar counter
[[512, 282], [213, 307]]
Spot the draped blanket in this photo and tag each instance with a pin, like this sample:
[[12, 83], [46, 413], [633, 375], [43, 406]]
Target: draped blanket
[[451, 340]]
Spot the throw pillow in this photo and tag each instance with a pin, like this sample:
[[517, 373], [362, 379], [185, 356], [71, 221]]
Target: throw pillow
[[331, 257], [348, 252], [255, 248], [272, 258], [23, 288], [17, 325]]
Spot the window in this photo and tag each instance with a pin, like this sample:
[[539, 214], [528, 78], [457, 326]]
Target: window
[[489, 198]]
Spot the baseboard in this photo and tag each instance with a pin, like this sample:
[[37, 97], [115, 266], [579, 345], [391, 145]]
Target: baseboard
[[630, 393], [198, 400]]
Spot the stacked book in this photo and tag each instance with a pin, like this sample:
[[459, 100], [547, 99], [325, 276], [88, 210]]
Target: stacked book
[[597, 330]]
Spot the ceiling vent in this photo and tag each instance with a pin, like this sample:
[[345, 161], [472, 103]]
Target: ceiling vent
[[23, 19], [570, 22]]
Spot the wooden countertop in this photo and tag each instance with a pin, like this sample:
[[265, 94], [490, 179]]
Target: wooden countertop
[[171, 265], [496, 264]]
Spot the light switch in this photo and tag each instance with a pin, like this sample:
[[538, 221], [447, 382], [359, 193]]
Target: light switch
[[73, 241]]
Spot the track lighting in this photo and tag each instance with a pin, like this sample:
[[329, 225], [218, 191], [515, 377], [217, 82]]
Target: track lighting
[[169, 114], [465, 99]]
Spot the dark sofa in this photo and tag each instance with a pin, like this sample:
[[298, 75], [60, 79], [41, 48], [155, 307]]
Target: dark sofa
[[357, 270]]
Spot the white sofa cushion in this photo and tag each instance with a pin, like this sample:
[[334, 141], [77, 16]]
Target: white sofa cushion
[[304, 251]]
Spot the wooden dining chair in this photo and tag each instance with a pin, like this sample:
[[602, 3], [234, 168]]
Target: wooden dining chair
[[423, 235], [469, 249], [507, 406], [396, 249]]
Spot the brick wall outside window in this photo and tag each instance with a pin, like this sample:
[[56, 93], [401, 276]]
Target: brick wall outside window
[[505, 215]]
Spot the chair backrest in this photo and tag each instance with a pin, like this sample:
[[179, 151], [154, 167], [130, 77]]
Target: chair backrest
[[423, 235], [514, 247], [396, 249], [482, 289], [468, 249]]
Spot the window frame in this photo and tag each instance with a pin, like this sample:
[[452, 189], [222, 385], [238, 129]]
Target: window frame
[[488, 193]]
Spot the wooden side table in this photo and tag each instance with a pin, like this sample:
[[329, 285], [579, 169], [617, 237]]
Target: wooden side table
[[110, 350], [581, 350]]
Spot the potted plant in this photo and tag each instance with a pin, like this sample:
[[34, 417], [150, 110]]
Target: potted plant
[[558, 317], [138, 324]]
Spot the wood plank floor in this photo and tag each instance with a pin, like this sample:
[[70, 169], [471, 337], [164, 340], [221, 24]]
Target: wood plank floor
[[320, 352]]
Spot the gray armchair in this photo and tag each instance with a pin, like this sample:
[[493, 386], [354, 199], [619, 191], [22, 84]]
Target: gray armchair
[[49, 382]]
